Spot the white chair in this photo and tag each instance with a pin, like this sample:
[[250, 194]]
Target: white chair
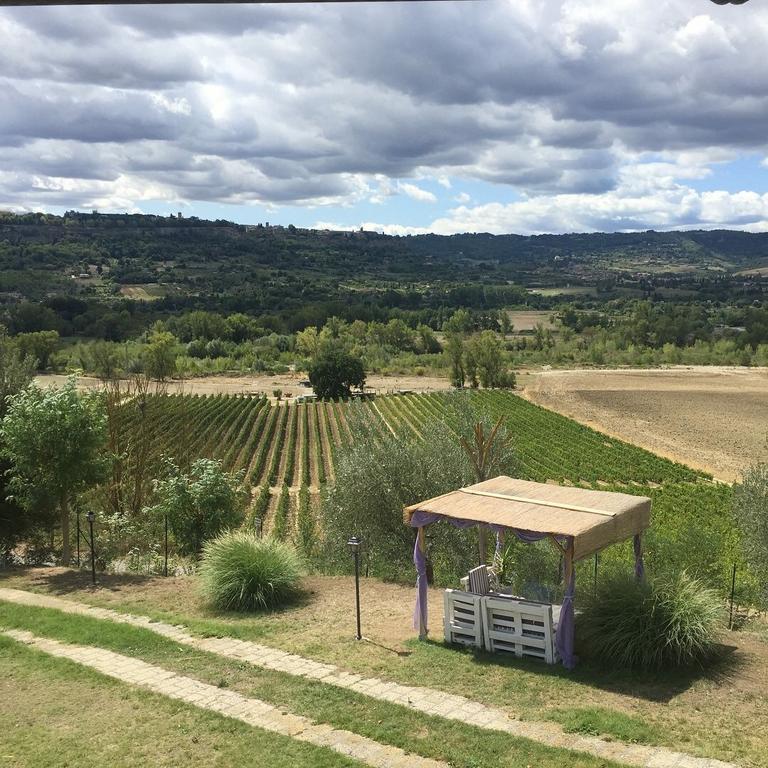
[[520, 627], [463, 621], [481, 580]]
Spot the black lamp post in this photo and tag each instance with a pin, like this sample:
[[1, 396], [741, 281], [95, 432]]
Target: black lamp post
[[78, 538], [91, 517], [165, 543], [354, 547]]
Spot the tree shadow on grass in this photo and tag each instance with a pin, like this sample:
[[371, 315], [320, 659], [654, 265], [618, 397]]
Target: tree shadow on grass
[[656, 686], [64, 581]]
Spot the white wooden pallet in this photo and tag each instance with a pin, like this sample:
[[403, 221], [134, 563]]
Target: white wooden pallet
[[519, 627], [463, 620]]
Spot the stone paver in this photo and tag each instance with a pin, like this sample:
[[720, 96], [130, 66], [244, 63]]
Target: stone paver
[[426, 700], [256, 713]]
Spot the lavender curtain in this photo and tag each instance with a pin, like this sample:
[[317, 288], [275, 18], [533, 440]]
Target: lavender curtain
[[566, 626], [420, 612], [420, 609]]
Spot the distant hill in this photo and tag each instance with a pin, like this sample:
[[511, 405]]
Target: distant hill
[[176, 263]]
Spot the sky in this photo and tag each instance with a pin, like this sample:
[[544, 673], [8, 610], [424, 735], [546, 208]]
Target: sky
[[499, 116]]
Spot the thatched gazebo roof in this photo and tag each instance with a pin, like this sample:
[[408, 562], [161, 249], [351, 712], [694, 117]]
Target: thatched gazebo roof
[[593, 519]]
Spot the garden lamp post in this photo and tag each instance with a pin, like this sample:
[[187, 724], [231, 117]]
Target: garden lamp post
[[78, 538], [91, 517], [354, 547]]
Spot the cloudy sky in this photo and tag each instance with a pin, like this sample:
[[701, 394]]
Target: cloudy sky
[[500, 116]]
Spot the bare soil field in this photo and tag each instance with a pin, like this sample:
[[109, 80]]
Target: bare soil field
[[288, 383], [527, 320], [711, 418]]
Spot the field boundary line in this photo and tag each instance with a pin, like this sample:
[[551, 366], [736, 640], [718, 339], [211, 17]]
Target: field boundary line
[[427, 700], [254, 712]]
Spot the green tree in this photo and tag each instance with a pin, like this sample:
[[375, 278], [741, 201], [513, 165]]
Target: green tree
[[103, 359], [750, 506], [54, 440], [454, 349], [487, 354], [199, 504], [16, 369], [427, 341], [334, 372], [159, 355], [308, 342], [459, 322], [376, 476], [39, 345], [16, 372]]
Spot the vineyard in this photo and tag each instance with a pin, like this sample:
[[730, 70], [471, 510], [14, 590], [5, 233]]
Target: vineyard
[[295, 444], [287, 453]]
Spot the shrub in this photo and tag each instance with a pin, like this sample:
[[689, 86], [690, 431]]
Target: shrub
[[242, 572], [200, 503], [651, 624]]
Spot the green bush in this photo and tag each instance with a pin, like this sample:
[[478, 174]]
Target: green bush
[[651, 624], [242, 572]]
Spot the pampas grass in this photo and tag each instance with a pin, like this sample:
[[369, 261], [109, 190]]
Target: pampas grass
[[652, 624], [242, 572]]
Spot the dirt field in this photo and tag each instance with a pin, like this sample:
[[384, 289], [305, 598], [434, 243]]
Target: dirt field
[[528, 320], [287, 382], [711, 418]]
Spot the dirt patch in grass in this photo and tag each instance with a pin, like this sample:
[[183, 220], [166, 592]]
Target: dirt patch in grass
[[711, 418]]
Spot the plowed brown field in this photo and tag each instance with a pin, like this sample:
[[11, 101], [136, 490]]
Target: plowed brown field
[[711, 418]]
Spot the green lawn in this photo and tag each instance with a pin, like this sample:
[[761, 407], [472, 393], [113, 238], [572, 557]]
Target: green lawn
[[56, 713], [459, 745], [721, 714]]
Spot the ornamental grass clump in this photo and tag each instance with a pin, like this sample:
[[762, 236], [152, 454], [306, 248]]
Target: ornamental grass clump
[[241, 572], [651, 624]]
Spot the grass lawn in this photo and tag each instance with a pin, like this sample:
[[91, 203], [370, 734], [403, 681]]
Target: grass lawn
[[459, 745], [56, 713], [721, 714]]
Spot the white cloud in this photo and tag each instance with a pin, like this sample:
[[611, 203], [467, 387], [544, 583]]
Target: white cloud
[[605, 115], [416, 193]]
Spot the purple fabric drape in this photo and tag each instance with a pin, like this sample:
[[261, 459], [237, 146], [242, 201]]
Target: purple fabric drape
[[420, 610], [566, 626], [637, 545], [419, 520]]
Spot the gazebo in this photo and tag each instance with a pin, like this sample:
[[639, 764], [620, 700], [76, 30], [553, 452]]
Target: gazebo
[[578, 522]]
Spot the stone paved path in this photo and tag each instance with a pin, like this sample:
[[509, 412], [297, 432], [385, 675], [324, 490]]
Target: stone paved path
[[228, 703], [426, 700]]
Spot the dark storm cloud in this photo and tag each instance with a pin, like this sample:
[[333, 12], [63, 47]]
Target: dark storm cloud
[[100, 117], [312, 104]]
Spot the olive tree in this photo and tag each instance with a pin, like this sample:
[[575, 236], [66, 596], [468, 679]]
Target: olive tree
[[377, 474], [750, 506], [54, 440]]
